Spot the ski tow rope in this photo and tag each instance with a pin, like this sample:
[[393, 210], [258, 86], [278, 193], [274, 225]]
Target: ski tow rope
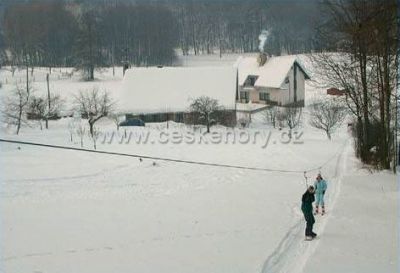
[[172, 159]]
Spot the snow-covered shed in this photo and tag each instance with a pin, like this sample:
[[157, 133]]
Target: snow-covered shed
[[153, 91], [280, 80]]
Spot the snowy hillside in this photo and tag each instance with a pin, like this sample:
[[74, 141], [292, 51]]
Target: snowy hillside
[[73, 211]]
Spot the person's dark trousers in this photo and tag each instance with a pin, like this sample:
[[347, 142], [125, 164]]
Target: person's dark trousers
[[310, 223], [309, 228]]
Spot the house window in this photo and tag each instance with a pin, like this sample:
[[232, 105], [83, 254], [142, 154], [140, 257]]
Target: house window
[[251, 80], [244, 95], [264, 96]]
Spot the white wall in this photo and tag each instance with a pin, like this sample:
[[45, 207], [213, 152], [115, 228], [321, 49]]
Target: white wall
[[300, 85]]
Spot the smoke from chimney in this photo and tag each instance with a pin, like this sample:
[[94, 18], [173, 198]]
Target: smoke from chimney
[[263, 39], [262, 57]]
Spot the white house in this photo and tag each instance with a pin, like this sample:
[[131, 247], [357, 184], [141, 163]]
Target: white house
[[279, 81], [161, 93]]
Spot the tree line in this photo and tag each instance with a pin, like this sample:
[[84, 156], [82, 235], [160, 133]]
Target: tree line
[[50, 34], [88, 34]]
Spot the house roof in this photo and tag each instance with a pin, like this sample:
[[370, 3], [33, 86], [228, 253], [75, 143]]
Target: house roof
[[172, 89], [271, 74]]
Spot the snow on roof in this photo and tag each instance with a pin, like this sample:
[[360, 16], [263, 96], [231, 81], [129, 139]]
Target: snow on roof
[[246, 66], [172, 89], [271, 74]]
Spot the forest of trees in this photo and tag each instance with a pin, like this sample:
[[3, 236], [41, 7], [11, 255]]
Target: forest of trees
[[88, 34], [42, 33]]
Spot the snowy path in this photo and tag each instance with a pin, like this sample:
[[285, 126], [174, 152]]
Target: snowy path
[[362, 235], [292, 253]]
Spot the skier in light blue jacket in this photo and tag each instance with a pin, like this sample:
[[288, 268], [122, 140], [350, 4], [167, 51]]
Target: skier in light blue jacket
[[320, 186]]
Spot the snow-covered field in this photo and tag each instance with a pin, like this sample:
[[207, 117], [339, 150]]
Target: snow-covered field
[[67, 83], [70, 211], [61, 84]]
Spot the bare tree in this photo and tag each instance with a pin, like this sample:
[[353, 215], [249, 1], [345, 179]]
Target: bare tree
[[71, 130], [94, 105], [16, 106], [116, 119], [271, 115], [41, 108], [80, 131], [281, 119], [327, 115], [95, 136], [36, 109], [292, 116], [205, 109], [55, 104]]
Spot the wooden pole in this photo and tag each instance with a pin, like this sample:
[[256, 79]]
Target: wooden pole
[[48, 100], [27, 79]]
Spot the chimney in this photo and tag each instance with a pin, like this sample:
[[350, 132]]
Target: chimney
[[262, 58]]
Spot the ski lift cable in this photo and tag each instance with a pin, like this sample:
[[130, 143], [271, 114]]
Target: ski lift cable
[[339, 151], [167, 159]]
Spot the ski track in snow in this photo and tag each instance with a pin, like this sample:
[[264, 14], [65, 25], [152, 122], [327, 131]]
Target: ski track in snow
[[237, 176], [72, 177], [293, 251], [123, 247]]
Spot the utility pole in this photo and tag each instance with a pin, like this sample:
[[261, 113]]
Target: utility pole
[[48, 100], [27, 79]]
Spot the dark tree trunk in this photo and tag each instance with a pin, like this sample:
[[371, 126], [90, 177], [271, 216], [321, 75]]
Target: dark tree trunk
[[91, 125], [19, 120], [91, 73]]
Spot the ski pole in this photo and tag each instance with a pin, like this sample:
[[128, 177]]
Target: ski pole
[[305, 177]]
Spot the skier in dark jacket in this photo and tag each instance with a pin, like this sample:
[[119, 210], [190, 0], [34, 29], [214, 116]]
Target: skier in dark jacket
[[307, 208]]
